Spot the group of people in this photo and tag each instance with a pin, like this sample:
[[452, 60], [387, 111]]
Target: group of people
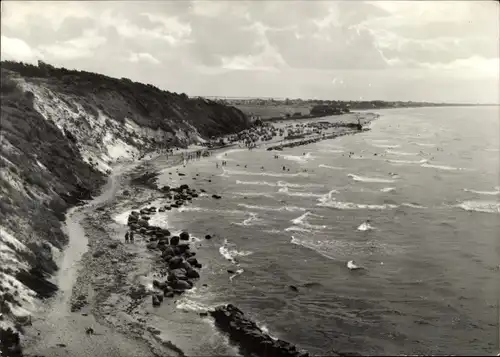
[[129, 237]]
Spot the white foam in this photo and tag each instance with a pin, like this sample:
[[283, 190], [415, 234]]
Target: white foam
[[331, 167], [302, 221], [229, 253], [407, 161], [480, 206], [355, 206], [237, 272], [269, 208], [297, 229], [333, 151], [423, 144], [412, 205], [394, 146], [256, 183], [284, 190], [299, 158], [352, 266], [252, 220], [388, 189], [401, 153], [369, 179], [489, 193], [328, 197], [444, 167], [264, 173], [365, 226]]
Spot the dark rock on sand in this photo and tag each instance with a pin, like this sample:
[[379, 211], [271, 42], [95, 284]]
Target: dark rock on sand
[[181, 285], [249, 336], [113, 245], [208, 236], [184, 236], [217, 197], [230, 271], [293, 288], [174, 240], [156, 301]]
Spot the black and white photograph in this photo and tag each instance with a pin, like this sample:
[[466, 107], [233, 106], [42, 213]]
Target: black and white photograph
[[249, 178]]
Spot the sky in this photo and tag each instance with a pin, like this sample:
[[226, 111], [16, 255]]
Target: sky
[[437, 51]]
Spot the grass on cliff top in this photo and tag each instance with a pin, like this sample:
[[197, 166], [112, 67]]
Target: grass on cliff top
[[273, 111]]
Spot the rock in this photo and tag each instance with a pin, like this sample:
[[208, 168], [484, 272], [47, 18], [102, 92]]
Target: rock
[[113, 245], [181, 285], [192, 261], [230, 271], [202, 191], [177, 274], [217, 197], [181, 248], [184, 236], [181, 174], [155, 300], [203, 314], [193, 274], [169, 294], [249, 336], [293, 288], [151, 245], [174, 240], [175, 262], [208, 236]]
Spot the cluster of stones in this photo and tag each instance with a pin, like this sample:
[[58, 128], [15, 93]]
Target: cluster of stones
[[249, 336], [180, 261]]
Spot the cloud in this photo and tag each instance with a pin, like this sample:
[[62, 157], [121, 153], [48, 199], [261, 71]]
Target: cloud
[[18, 50], [400, 48], [79, 47], [146, 57]]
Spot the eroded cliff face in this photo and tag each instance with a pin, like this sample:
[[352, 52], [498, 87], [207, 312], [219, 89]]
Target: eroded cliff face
[[61, 131]]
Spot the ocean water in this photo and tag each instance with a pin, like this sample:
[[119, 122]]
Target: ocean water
[[427, 180]]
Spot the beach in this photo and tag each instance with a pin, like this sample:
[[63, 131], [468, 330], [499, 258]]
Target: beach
[[282, 234]]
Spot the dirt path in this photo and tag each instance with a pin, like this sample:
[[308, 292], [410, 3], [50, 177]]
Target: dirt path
[[56, 331]]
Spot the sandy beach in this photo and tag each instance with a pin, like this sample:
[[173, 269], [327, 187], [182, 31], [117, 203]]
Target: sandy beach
[[99, 274]]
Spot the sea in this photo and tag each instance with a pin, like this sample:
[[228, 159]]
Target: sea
[[413, 203]]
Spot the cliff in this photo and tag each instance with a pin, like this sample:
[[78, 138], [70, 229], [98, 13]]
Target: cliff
[[61, 131]]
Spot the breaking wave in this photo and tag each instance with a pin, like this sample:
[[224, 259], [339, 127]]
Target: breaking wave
[[489, 193], [401, 153], [269, 208], [480, 206], [228, 251], [369, 179], [271, 174], [301, 221], [285, 191], [331, 167]]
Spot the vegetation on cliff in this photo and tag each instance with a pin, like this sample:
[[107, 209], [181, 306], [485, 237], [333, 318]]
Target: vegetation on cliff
[[56, 124]]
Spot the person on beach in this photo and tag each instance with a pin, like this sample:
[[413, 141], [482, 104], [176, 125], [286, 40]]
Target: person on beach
[[126, 237]]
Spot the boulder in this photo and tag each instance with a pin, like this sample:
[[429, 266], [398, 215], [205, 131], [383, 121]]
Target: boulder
[[249, 336], [217, 197], [184, 236], [192, 260], [181, 285], [156, 301], [192, 274], [177, 274], [208, 236], [175, 262], [174, 240], [151, 245]]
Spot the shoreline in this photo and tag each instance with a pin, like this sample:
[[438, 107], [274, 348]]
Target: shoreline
[[102, 285]]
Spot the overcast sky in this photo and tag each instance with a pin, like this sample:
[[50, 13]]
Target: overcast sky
[[389, 50]]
